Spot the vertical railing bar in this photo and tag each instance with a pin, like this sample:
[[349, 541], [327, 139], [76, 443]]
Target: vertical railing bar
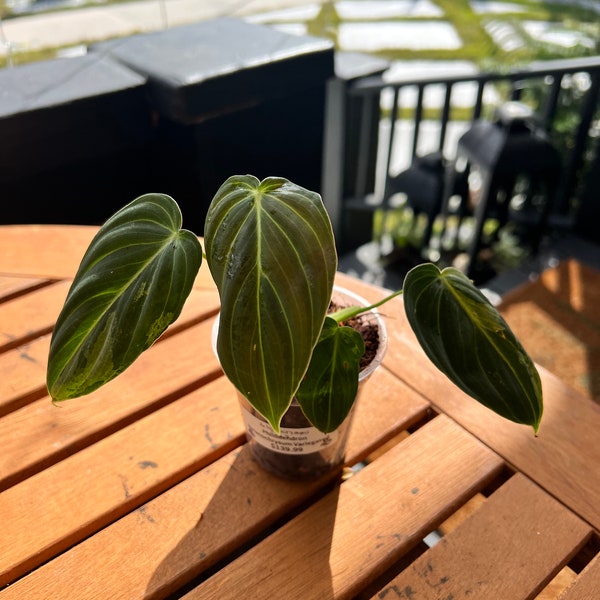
[[575, 157], [418, 119], [391, 138], [478, 101], [363, 157], [335, 158], [551, 102], [516, 89], [445, 116], [388, 162]]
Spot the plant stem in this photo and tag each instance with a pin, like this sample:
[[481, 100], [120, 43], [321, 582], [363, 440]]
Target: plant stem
[[353, 311]]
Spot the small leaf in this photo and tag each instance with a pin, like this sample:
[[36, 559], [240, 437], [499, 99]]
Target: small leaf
[[270, 249], [469, 341], [329, 387], [131, 285]]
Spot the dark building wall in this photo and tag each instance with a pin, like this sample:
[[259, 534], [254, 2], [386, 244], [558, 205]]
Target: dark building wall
[[168, 112]]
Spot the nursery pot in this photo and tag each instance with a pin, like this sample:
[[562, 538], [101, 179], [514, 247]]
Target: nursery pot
[[301, 451]]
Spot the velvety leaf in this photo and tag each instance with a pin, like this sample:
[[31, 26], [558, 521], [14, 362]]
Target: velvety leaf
[[271, 252], [329, 387], [131, 284], [469, 341]]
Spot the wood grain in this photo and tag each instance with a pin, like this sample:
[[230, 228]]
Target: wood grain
[[27, 317], [146, 487], [357, 531], [47, 251], [55, 251], [557, 318], [40, 434], [560, 459], [182, 532], [115, 476], [587, 584], [519, 527], [11, 286]]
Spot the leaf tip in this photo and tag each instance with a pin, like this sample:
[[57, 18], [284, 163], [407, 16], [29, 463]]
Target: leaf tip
[[275, 426]]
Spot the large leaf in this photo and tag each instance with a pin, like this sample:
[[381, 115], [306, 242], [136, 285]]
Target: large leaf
[[469, 341], [271, 252], [131, 284], [329, 388]]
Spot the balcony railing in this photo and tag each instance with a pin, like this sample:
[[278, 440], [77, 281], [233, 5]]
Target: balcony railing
[[364, 151]]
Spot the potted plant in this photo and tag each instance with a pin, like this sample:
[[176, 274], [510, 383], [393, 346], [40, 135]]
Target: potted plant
[[271, 252]]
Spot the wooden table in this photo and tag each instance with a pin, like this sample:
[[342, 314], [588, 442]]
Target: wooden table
[[145, 488]]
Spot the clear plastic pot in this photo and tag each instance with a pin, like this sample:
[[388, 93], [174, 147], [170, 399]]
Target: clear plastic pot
[[301, 451]]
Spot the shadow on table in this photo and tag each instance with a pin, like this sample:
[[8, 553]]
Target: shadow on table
[[557, 318], [242, 529]]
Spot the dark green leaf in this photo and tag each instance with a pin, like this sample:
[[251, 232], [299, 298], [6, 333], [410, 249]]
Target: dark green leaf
[[469, 341], [271, 252], [131, 284], [329, 387]]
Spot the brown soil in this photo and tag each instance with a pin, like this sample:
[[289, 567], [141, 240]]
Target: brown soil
[[368, 330]]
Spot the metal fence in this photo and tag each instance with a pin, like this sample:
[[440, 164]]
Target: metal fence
[[378, 126]]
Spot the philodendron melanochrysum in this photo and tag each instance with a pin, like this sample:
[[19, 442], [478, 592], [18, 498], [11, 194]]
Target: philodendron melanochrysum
[[271, 251]]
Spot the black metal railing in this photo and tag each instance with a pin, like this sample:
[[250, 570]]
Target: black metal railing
[[563, 94]]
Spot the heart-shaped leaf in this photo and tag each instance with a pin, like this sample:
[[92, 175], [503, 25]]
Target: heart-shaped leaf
[[469, 341], [271, 252], [329, 387], [131, 285]]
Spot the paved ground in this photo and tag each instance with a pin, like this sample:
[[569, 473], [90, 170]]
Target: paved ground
[[92, 24]]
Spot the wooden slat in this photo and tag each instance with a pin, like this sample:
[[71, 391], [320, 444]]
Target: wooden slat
[[182, 532], [561, 581], [115, 475], [40, 433], [519, 527], [48, 251], [557, 318], [34, 314], [150, 552], [559, 459], [385, 406], [54, 251], [461, 514], [13, 286], [23, 374], [587, 584], [357, 531], [23, 369], [570, 291], [28, 316]]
